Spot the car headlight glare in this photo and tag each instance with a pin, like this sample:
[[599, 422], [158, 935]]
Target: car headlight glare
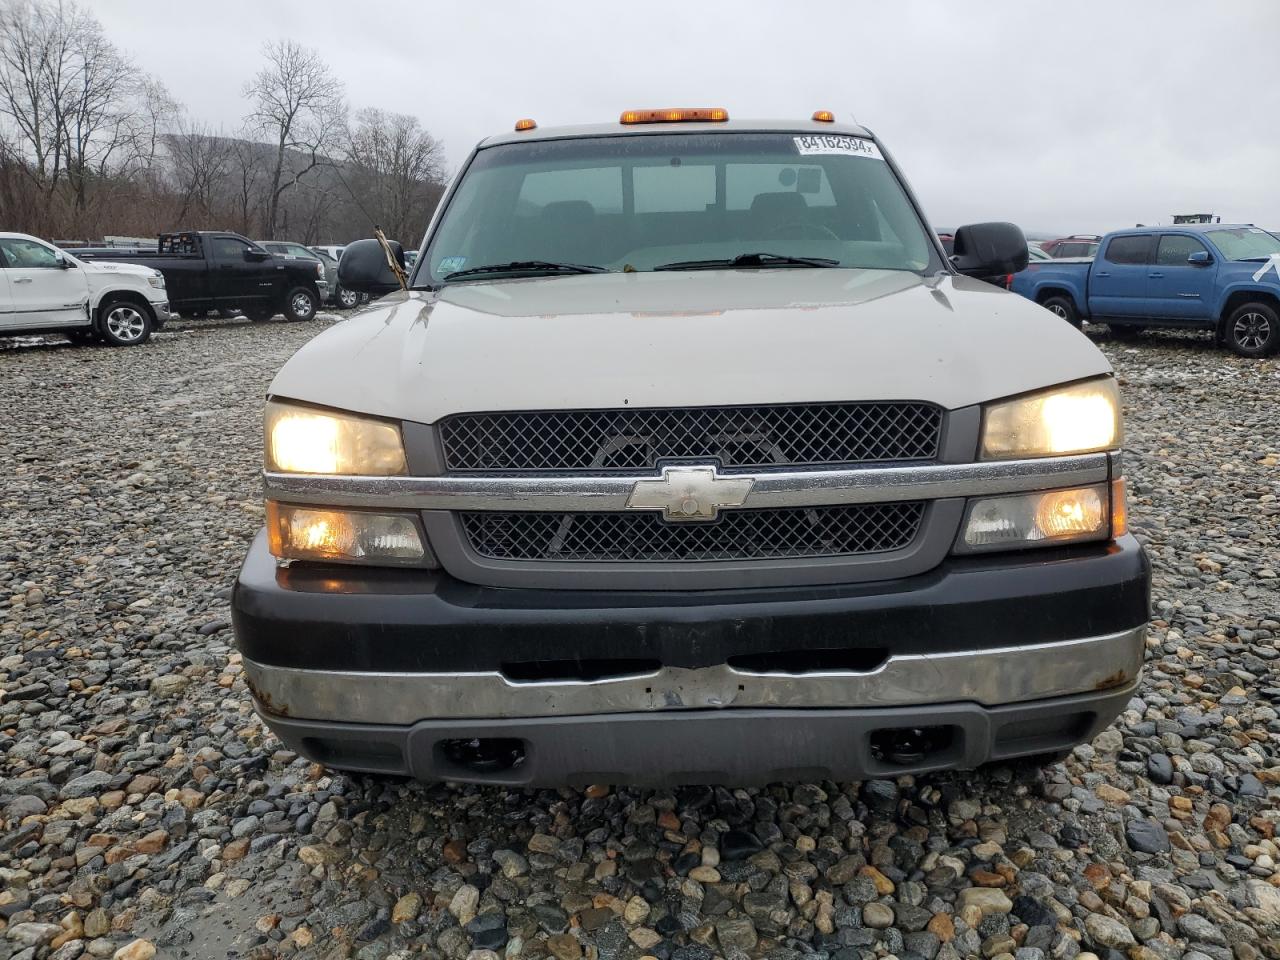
[[345, 536], [1046, 518], [1081, 418], [302, 440]]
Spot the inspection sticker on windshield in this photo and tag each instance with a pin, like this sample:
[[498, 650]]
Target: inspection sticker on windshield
[[818, 143]]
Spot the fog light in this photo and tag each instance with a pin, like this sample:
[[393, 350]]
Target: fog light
[[1037, 519], [345, 536]]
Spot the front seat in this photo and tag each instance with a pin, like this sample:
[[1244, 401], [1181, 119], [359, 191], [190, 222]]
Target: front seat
[[770, 212], [568, 232]]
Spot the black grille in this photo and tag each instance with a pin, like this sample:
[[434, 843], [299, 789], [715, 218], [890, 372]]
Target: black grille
[[736, 535], [742, 437]]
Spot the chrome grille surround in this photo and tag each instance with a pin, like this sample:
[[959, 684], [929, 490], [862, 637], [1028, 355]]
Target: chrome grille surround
[[743, 437], [944, 486], [833, 531]]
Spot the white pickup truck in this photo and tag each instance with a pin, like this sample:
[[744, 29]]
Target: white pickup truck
[[47, 290], [689, 456]]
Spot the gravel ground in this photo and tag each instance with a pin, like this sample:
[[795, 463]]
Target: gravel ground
[[145, 808]]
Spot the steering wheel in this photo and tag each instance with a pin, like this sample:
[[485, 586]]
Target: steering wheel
[[805, 231]]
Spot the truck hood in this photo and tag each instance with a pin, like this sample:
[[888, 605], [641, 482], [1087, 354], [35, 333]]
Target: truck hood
[[111, 268], [704, 338]]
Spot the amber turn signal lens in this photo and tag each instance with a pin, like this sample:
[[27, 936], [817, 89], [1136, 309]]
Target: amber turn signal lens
[[1119, 509], [824, 116], [675, 115], [525, 124], [344, 536]]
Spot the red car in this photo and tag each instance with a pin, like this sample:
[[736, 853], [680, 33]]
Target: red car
[[1076, 245]]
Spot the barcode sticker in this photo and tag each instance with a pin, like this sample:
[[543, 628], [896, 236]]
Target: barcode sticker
[[819, 144]]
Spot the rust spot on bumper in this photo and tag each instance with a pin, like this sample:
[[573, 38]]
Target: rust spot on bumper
[[265, 700], [1117, 679]]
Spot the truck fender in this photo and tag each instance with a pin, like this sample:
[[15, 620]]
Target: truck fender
[[1057, 289], [1233, 295], [119, 293]]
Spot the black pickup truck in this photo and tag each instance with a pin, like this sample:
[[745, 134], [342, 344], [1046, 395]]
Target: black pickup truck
[[206, 270]]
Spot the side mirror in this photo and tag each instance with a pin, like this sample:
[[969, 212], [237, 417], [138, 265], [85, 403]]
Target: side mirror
[[62, 261], [1200, 258], [363, 268], [256, 256], [984, 249]]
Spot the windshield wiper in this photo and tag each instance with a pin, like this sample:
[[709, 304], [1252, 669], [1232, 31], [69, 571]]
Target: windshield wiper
[[751, 260], [525, 266]]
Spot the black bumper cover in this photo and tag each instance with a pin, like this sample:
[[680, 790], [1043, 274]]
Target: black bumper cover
[[357, 619]]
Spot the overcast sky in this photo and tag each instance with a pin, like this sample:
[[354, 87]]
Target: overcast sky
[[1070, 116]]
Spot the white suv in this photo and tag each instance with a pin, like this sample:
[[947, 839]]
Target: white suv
[[47, 290]]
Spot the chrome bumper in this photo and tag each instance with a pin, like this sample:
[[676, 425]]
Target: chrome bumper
[[990, 677]]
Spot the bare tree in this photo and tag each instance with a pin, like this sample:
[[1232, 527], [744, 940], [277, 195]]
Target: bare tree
[[75, 111], [200, 163], [398, 170], [91, 145], [157, 115], [298, 104], [248, 183], [93, 107], [33, 54]]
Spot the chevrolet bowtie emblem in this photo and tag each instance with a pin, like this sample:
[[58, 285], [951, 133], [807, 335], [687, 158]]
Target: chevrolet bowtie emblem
[[689, 493]]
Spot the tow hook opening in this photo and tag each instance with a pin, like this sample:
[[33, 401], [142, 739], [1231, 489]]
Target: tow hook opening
[[911, 746], [482, 755]]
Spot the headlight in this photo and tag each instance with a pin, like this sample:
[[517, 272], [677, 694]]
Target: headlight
[[301, 440], [1044, 519], [1082, 418], [157, 281], [345, 536]]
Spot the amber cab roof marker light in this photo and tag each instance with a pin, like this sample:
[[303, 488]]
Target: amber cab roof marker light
[[675, 115], [824, 116], [525, 124]]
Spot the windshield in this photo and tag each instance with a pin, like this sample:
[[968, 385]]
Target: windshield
[[677, 201], [1245, 243]]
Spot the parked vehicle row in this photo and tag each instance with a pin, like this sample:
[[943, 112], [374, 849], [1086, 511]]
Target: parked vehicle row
[[47, 290], [208, 270], [333, 252], [289, 250], [1197, 276]]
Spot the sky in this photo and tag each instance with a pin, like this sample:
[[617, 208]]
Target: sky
[[1065, 117]]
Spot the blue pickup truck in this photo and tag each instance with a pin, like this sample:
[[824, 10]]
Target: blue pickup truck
[[1219, 277]]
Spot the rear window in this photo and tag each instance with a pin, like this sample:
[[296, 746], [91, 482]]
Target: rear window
[[178, 244], [1128, 249], [633, 203]]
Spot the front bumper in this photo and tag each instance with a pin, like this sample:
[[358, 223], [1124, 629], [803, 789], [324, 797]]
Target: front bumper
[[161, 310], [381, 669]]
